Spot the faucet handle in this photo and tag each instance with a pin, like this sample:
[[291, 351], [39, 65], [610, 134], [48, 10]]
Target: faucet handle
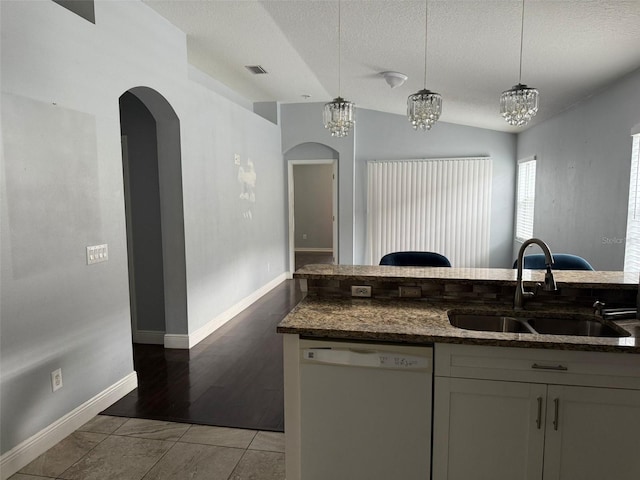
[[597, 307], [549, 281]]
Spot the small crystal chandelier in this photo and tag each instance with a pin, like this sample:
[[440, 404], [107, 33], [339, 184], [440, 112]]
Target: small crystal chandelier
[[519, 104], [424, 107], [339, 114]]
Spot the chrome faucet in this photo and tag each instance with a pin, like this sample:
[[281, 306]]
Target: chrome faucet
[[549, 281]]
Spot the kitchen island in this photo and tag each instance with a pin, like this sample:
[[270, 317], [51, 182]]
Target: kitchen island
[[542, 400]]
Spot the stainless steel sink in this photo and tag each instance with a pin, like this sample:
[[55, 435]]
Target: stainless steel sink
[[544, 324], [491, 323]]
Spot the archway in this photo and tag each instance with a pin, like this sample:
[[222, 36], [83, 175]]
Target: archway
[[152, 172]]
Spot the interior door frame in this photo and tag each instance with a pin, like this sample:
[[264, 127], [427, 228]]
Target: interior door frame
[[334, 197]]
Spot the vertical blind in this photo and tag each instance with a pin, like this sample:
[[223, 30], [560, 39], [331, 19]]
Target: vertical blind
[[632, 243], [526, 198], [441, 205]]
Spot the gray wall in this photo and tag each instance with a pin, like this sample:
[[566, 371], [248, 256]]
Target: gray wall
[[384, 136], [302, 124], [582, 184], [313, 206], [62, 190], [381, 135]]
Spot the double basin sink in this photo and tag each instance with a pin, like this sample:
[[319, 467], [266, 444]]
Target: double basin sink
[[536, 323]]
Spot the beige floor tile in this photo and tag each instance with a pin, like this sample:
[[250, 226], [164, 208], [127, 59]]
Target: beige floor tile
[[103, 424], [256, 465], [64, 454], [118, 458], [220, 436], [21, 476], [154, 429], [196, 462], [268, 441]]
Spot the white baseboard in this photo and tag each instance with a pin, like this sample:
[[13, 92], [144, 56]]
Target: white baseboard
[[192, 339], [148, 337], [27, 451], [315, 250]]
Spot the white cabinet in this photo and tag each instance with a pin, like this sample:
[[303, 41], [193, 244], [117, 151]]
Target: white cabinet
[[595, 434], [486, 430], [492, 427]]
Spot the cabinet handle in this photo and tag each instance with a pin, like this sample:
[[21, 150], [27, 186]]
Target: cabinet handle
[[556, 402], [561, 368], [539, 419]]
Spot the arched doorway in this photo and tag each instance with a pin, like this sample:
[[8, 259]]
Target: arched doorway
[[152, 173]]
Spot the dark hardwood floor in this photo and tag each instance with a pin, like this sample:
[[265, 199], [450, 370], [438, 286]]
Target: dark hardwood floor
[[233, 378]]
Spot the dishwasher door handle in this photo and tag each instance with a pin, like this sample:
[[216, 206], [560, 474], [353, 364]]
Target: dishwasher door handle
[[365, 358]]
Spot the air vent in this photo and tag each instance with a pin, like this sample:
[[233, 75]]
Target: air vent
[[256, 69]]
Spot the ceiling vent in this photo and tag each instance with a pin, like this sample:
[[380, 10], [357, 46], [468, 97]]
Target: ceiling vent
[[256, 69]]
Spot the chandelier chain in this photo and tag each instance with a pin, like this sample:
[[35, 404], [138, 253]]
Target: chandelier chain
[[521, 42], [426, 22]]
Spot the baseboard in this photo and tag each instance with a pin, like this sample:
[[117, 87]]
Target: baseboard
[[314, 250], [192, 339], [148, 337], [27, 451]]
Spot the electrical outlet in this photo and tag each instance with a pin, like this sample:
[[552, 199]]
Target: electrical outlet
[[360, 291], [304, 236], [97, 254], [409, 292], [56, 380]]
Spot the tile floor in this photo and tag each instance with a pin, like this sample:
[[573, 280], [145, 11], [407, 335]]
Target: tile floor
[[117, 448]]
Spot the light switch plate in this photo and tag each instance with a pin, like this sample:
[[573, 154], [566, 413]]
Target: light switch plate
[[97, 254]]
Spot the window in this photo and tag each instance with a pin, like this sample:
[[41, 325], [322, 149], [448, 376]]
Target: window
[[632, 245], [526, 198], [435, 205]]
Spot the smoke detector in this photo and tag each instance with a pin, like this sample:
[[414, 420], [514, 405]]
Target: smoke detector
[[394, 79]]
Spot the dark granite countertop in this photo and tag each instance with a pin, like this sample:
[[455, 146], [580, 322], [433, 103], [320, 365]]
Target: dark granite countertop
[[503, 276], [423, 321]]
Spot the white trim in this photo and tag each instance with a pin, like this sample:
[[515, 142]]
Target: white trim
[[192, 339], [148, 337], [334, 187], [27, 451], [314, 250]]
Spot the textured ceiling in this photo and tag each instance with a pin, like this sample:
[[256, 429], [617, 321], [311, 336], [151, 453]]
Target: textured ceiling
[[572, 48]]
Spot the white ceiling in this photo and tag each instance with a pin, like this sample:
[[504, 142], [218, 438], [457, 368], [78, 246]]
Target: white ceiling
[[572, 48]]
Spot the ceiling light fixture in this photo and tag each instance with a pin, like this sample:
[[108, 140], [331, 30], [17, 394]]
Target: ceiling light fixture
[[394, 79], [339, 114], [519, 104], [424, 107]]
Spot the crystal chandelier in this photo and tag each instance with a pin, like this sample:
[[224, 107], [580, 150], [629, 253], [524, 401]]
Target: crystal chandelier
[[519, 104], [339, 114], [424, 107]]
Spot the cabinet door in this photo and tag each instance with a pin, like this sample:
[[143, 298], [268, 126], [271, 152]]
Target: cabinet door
[[594, 435], [487, 430]]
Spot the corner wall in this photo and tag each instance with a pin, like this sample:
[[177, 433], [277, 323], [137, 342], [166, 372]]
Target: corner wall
[[62, 189], [583, 168]]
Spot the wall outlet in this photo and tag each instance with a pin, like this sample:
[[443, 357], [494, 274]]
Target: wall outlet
[[97, 254], [56, 380], [409, 292], [304, 236], [360, 291]]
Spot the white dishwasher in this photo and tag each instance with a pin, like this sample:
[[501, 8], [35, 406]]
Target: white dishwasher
[[365, 411]]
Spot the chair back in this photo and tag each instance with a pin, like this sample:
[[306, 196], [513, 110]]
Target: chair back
[[415, 259], [561, 261]]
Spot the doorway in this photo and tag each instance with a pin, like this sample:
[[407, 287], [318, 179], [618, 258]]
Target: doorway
[[150, 134], [313, 212]]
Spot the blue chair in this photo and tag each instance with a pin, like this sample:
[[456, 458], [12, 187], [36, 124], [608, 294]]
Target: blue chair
[[415, 259], [561, 261]]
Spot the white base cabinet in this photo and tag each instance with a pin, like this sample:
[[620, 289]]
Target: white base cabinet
[[496, 428]]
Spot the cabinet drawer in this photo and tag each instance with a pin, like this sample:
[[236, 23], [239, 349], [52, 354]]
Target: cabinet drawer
[[598, 369]]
